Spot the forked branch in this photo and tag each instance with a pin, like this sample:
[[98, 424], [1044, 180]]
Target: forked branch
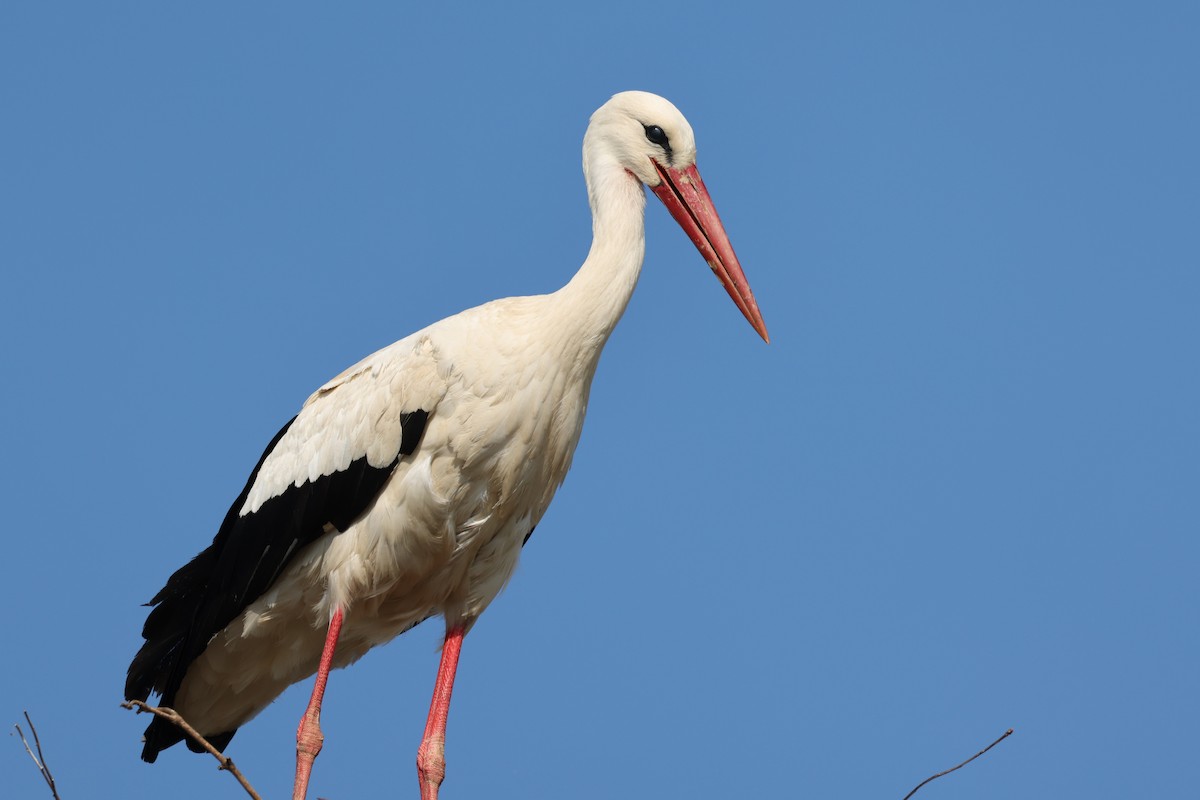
[[40, 758]]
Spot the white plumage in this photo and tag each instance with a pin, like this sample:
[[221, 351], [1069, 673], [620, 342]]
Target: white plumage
[[406, 486]]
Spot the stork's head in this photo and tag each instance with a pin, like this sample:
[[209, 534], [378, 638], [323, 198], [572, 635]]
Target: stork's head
[[651, 140], [643, 129]]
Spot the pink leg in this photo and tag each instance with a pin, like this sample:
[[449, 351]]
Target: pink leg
[[431, 755], [308, 736]]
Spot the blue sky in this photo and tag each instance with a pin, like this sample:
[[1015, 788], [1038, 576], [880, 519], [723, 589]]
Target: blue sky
[[956, 494]]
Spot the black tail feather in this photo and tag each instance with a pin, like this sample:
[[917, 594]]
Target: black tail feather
[[161, 734]]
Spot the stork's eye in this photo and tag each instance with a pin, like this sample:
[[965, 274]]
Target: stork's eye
[[656, 135]]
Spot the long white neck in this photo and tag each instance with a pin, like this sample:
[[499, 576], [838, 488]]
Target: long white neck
[[588, 308]]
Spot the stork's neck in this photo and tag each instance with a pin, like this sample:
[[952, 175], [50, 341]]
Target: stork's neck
[[590, 305]]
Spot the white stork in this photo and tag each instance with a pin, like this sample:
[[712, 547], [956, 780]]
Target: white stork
[[406, 486]]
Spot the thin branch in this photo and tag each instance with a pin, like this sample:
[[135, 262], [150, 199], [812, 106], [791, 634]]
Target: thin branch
[[40, 758], [173, 716], [1007, 733]]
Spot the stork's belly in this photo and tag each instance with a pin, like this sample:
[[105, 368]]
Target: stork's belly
[[250, 663], [401, 563]]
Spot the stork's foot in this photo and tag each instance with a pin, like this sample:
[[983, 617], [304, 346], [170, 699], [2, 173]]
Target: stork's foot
[[431, 766]]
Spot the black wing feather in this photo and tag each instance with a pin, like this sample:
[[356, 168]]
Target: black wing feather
[[246, 556]]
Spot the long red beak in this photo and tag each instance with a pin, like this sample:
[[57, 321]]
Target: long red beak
[[682, 192]]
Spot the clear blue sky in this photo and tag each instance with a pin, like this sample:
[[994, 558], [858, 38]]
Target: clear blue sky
[[957, 493]]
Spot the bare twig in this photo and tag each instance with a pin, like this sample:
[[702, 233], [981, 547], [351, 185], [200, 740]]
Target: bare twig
[[173, 716], [40, 758], [1007, 733]]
